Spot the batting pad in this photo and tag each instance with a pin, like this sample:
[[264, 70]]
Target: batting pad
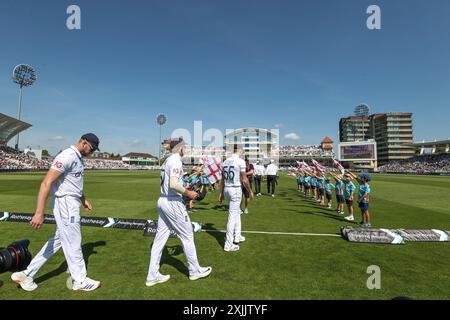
[[393, 236], [149, 226]]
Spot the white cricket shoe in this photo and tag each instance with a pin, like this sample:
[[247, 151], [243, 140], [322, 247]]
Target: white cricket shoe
[[161, 278], [349, 218], [246, 210], [204, 272], [87, 285], [233, 247], [240, 239], [26, 283]]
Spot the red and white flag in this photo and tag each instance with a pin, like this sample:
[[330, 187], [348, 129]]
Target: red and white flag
[[212, 169], [305, 166], [318, 166], [338, 166]]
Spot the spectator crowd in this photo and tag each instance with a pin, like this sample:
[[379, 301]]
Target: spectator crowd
[[11, 159], [423, 164], [304, 150]]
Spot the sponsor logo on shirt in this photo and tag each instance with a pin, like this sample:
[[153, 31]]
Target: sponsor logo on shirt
[[78, 174]]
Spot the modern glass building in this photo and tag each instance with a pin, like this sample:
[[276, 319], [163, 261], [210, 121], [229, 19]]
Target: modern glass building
[[393, 133], [258, 143]]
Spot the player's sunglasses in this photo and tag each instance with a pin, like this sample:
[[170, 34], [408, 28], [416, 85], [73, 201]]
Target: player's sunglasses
[[90, 146]]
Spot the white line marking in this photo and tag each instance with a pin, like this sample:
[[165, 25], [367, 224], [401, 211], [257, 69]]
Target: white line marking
[[283, 233]]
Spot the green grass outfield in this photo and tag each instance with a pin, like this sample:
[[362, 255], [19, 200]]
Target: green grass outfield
[[268, 266]]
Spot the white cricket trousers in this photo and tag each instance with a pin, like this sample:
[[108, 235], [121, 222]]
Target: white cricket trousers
[[173, 216], [234, 196], [68, 236]]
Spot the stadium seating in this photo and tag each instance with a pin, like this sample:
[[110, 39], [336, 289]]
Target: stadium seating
[[304, 151], [423, 164], [10, 159]]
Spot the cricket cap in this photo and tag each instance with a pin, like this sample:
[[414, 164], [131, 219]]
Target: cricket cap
[[92, 139]]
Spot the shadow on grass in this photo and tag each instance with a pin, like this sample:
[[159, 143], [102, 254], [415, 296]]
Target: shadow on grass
[[321, 211], [216, 233], [330, 216], [220, 207], [168, 255], [88, 250], [197, 209]]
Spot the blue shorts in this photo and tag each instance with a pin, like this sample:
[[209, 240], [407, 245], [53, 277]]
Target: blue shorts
[[363, 206], [321, 192], [329, 196], [340, 198], [349, 202]]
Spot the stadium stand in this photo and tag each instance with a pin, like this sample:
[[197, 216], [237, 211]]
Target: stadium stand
[[101, 164], [304, 151], [423, 164], [10, 159]]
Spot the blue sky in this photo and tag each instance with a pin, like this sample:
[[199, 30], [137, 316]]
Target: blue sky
[[298, 65]]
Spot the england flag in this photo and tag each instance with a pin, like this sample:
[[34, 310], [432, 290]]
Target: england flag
[[212, 169], [338, 166], [318, 166]]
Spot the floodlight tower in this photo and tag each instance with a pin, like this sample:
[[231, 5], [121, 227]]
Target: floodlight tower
[[161, 120], [362, 111], [24, 75]]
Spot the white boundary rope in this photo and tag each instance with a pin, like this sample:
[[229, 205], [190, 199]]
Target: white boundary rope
[[282, 233]]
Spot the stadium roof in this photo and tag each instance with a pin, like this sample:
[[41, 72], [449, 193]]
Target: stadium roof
[[242, 130], [9, 127], [140, 155], [431, 144]]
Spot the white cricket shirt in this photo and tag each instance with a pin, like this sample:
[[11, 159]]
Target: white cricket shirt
[[172, 167], [231, 171], [271, 170], [259, 170], [70, 163]]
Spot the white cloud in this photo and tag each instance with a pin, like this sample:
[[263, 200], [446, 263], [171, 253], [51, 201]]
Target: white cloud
[[137, 143], [57, 138], [292, 136], [278, 125]]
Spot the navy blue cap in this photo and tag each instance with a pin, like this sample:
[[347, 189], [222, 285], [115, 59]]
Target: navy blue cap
[[366, 176], [92, 139]]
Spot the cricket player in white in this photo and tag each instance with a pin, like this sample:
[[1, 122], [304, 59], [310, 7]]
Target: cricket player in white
[[65, 181], [259, 172], [271, 173], [173, 216], [233, 174]]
